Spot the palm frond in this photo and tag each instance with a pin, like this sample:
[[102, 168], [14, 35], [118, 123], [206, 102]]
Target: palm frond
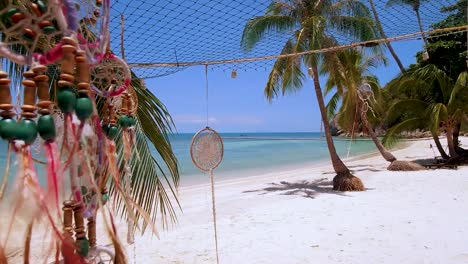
[[410, 124], [332, 105], [256, 28], [149, 178]]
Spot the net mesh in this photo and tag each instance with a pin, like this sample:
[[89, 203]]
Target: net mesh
[[161, 37]]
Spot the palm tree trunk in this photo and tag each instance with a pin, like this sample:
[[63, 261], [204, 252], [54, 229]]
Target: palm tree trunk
[[387, 43], [338, 165], [456, 134], [439, 145], [451, 146], [421, 26], [385, 153]]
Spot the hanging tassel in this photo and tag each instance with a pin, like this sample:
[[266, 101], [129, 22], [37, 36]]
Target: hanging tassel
[[112, 161], [3, 258], [54, 179], [119, 257], [6, 174], [27, 242]]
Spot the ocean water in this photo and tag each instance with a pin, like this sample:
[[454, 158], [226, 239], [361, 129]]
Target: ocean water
[[245, 154], [253, 153]]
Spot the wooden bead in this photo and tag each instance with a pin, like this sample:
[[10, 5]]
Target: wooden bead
[[29, 34], [44, 111], [3, 74], [29, 83], [68, 58], [36, 9], [79, 221], [17, 17], [83, 87], [67, 77], [66, 84], [6, 106], [92, 232], [29, 115], [44, 104], [7, 114]]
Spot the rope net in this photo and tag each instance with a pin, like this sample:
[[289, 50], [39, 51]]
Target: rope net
[[166, 36]]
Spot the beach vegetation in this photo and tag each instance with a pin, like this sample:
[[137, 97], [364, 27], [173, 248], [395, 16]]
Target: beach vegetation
[[310, 26]]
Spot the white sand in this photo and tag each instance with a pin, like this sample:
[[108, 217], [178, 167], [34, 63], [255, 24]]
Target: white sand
[[403, 217]]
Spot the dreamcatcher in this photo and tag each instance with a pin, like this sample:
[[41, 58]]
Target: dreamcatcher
[[207, 152], [37, 34]]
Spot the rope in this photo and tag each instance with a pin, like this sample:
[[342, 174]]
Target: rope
[[352, 133], [214, 214], [324, 50], [206, 94], [122, 49]]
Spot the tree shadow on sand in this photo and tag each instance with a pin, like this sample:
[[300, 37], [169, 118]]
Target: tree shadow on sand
[[307, 189]]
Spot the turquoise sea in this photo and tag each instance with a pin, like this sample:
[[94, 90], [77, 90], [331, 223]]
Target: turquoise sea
[[250, 153]]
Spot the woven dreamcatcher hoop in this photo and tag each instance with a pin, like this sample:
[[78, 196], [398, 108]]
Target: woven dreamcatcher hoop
[[207, 152]]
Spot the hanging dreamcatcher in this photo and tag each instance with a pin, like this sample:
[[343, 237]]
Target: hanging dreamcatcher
[[207, 152], [31, 31]]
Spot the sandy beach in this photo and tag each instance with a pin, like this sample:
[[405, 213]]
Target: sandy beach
[[294, 217]]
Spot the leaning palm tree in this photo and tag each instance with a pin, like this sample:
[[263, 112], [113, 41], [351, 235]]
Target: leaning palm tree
[[444, 108], [382, 33], [310, 25], [415, 4], [350, 77]]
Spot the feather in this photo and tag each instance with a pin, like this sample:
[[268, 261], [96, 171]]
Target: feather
[[54, 179], [27, 242]]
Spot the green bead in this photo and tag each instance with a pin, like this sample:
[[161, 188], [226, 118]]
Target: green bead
[[104, 198], [84, 190], [42, 6], [28, 37], [48, 30], [8, 127], [83, 247], [124, 121], [131, 121], [27, 131], [11, 12], [105, 128], [46, 127], [83, 108], [66, 100], [112, 131]]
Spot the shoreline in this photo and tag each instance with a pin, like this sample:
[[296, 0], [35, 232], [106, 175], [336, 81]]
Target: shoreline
[[293, 216], [264, 173]]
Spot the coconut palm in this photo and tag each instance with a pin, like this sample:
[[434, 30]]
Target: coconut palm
[[310, 25], [382, 33], [434, 99], [359, 90], [415, 4]]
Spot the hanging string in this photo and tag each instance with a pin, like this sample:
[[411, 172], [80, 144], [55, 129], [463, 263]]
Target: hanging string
[[214, 214], [352, 133], [206, 91], [122, 49]]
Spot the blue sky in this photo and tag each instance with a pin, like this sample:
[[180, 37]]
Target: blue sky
[[239, 105]]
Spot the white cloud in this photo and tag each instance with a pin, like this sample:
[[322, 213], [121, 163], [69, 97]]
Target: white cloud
[[193, 119], [232, 120]]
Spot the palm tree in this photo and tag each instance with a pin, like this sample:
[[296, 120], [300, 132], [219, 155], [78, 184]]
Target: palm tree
[[309, 25], [382, 32], [415, 4], [443, 102], [359, 90]]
